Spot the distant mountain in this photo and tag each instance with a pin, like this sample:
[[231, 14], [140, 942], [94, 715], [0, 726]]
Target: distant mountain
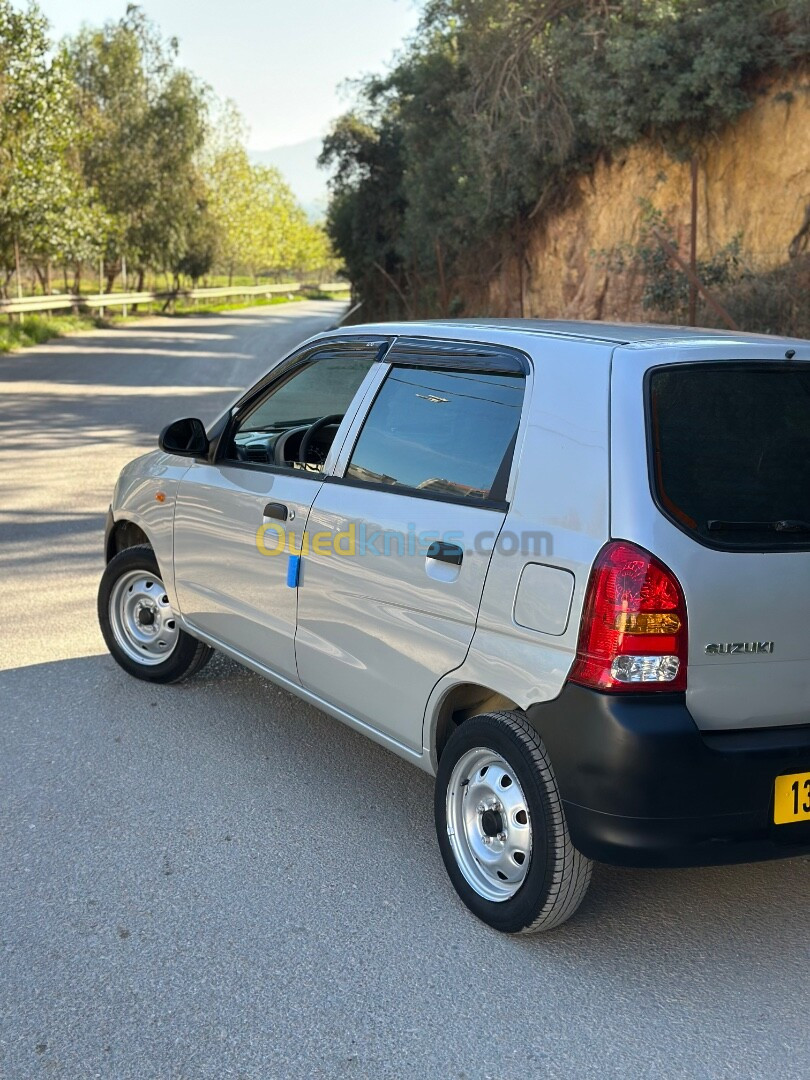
[[298, 164]]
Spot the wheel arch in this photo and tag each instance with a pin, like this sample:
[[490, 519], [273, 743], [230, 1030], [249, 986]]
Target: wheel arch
[[458, 703], [122, 534]]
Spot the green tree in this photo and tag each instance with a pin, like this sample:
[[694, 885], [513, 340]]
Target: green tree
[[481, 125], [311, 250], [232, 188], [46, 210], [366, 215], [263, 229], [146, 121]]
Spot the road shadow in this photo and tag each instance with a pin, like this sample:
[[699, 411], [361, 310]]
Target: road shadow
[[220, 841], [195, 350], [124, 385], [63, 421], [751, 912]]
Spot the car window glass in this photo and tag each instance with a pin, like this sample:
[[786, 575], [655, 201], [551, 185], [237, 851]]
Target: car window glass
[[273, 430], [440, 431], [731, 452]]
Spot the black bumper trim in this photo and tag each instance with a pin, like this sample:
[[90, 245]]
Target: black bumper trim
[[643, 786]]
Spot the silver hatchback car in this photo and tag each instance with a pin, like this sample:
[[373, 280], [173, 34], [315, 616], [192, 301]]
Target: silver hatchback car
[[564, 567]]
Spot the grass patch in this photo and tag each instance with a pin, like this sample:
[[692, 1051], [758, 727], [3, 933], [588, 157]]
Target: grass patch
[[34, 329]]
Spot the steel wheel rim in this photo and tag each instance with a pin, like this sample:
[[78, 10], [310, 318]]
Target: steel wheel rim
[[142, 621], [488, 824]]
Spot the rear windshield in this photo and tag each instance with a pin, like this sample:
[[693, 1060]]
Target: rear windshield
[[731, 452]]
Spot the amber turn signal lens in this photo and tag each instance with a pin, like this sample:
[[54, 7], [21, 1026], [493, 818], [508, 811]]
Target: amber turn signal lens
[[160, 496], [654, 622]]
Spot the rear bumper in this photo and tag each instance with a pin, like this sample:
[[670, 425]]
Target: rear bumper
[[643, 786]]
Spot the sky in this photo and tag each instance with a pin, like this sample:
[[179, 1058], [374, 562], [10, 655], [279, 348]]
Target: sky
[[281, 61]]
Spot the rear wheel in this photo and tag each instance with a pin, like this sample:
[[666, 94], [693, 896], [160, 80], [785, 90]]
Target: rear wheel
[[138, 624], [501, 827]]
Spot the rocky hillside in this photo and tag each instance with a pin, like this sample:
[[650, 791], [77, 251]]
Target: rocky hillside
[[753, 185]]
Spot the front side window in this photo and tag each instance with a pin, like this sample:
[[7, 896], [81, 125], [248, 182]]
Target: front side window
[[294, 424], [449, 433], [731, 452]]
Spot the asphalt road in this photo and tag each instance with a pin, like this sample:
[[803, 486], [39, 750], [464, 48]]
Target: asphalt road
[[215, 880]]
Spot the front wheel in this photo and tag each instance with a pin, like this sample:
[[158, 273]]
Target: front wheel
[[138, 624], [501, 827]]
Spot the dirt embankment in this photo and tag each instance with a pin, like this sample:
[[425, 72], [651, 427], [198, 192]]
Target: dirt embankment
[[754, 183]]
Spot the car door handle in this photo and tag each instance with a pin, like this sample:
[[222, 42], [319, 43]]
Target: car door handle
[[276, 510], [444, 552]]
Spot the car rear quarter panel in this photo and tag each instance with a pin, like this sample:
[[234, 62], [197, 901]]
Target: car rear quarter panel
[[730, 596], [558, 520]]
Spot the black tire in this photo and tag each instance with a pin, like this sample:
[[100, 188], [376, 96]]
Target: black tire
[[558, 875], [187, 656]]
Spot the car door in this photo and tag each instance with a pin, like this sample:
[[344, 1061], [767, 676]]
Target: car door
[[399, 541], [239, 517]]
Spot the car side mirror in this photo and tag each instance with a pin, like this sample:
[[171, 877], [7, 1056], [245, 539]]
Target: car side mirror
[[186, 438]]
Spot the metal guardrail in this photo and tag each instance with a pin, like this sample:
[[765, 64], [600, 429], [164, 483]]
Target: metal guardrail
[[63, 301]]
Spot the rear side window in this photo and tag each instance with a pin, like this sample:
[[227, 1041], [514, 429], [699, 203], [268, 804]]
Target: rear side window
[[449, 433], [731, 452]]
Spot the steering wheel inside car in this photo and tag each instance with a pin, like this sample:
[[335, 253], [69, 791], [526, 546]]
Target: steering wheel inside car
[[312, 431]]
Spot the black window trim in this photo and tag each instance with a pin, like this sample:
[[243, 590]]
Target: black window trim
[[460, 356], [276, 377], [441, 353], [722, 365], [267, 467], [419, 493]]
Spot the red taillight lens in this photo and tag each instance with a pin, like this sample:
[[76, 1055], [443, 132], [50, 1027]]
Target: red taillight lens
[[633, 634]]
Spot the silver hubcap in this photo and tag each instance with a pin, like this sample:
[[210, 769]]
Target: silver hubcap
[[142, 619], [488, 824]]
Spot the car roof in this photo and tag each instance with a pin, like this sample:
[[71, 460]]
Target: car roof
[[640, 334]]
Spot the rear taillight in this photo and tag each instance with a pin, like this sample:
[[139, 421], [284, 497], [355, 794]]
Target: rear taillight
[[633, 634]]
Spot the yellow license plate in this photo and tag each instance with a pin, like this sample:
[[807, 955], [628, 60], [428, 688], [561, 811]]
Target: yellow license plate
[[792, 798]]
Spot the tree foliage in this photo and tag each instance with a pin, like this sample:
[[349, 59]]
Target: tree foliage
[[366, 213], [45, 209], [481, 124], [261, 224], [110, 150], [145, 121]]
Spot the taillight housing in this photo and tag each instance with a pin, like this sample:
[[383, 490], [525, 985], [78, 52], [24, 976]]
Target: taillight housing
[[633, 635]]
